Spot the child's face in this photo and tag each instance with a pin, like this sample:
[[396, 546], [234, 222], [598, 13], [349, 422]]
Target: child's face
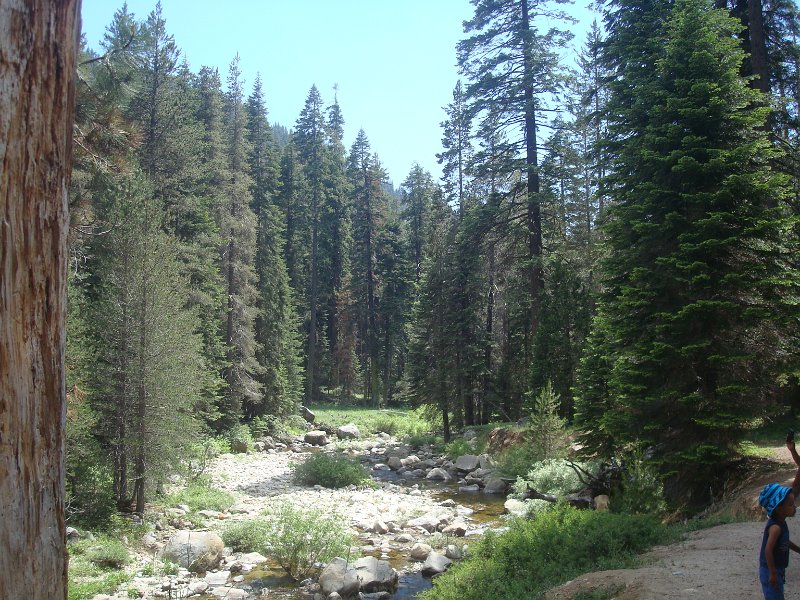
[[787, 508]]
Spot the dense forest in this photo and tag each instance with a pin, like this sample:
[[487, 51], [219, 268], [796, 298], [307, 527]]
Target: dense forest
[[618, 226]]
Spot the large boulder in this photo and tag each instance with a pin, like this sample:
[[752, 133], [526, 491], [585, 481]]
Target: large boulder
[[467, 463], [420, 551], [438, 474], [515, 507], [376, 575], [341, 578], [348, 432], [316, 438], [495, 485], [309, 416], [435, 563], [197, 551], [395, 462]]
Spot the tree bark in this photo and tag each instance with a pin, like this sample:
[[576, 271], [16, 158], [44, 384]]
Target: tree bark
[[38, 52], [758, 49]]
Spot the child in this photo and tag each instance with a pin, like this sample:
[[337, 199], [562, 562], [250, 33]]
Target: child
[[778, 500]]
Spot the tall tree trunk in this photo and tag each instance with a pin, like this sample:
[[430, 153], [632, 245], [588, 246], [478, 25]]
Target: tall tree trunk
[[534, 217], [312, 333], [37, 96], [487, 352], [758, 48]]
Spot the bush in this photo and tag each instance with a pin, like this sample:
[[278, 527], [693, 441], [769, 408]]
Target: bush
[[546, 428], [298, 540], [240, 435], [553, 476], [201, 495], [330, 470], [534, 556], [517, 461], [418, 439], [458, 447], [642, 490], [246, 536], [386, 424]]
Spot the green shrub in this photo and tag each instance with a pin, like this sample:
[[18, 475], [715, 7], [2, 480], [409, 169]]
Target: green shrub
[[201, 495], [642, 490], [418, 439], [299, 539], [553, 476], [240, 434], [517, 461], [88, 589], [386, 424], [246, 536], [559, 545], [546, 428], [330, 470], [458, 447], [105, 553]]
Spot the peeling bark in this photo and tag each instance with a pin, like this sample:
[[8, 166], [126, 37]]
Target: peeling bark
[[38, 47]]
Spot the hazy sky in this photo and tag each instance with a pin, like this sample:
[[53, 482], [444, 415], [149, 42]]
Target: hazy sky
[[392, 60]]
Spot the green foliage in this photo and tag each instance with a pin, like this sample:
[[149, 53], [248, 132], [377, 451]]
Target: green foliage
[[369, 420], [246, 536], [330, 470], [458, 446], [697, 312], [420, 439], [517, 461], [533, 556], [299, 540], [200, 494], [551, 476], [240, 435], [642, 489], [546, 428]]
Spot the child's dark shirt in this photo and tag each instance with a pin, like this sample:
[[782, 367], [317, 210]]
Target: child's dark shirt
[[781, 552]]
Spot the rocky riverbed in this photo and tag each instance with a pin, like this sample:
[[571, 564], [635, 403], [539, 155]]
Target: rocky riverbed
[[418, 517]]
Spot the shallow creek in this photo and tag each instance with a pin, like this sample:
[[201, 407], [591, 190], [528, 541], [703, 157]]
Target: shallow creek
[[483, 513]]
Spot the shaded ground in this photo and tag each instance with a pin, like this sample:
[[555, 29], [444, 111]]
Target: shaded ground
[[720, 562]]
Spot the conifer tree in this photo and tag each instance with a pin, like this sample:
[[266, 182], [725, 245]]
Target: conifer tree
[[310, 137], [237, 225], [148, 373], [512, 62], [696, 281], [275, 324]]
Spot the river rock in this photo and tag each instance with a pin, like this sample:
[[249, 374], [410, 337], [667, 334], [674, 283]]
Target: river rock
[[395, 463], [487, 462], [197, 551], [217, 578], [428, 522], [376, 575], [252, 558], [467, 463], [518, 508], [339, 577], [229, 593], [601, 502], [316, 438], [495, 485], [348, 432], [411, 460], [309, 416], [457, 529], [454, 552], [435, 563], [469, 488], [420, 551], [438, 474]]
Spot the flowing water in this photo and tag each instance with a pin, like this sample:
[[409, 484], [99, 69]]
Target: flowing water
[[486, 513]]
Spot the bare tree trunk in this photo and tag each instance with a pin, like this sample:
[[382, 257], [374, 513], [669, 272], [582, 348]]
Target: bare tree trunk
[[38, 52]]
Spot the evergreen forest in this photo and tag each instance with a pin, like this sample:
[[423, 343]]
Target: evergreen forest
[[618, 226]]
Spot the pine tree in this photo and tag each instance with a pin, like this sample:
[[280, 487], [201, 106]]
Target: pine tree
[[369, 214], [310, 137], [418, 190], [148, 364], [697, 281], [512, 63], [237, 225]]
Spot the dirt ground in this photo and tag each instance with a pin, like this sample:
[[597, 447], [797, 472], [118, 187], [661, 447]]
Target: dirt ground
[[720, 562]]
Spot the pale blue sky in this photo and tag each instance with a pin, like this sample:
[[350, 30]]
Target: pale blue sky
[[393, 60]]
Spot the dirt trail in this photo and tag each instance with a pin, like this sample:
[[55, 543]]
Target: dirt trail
[[719, 563]]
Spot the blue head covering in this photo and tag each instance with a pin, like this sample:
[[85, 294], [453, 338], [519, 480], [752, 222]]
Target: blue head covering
[[772, 495]]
